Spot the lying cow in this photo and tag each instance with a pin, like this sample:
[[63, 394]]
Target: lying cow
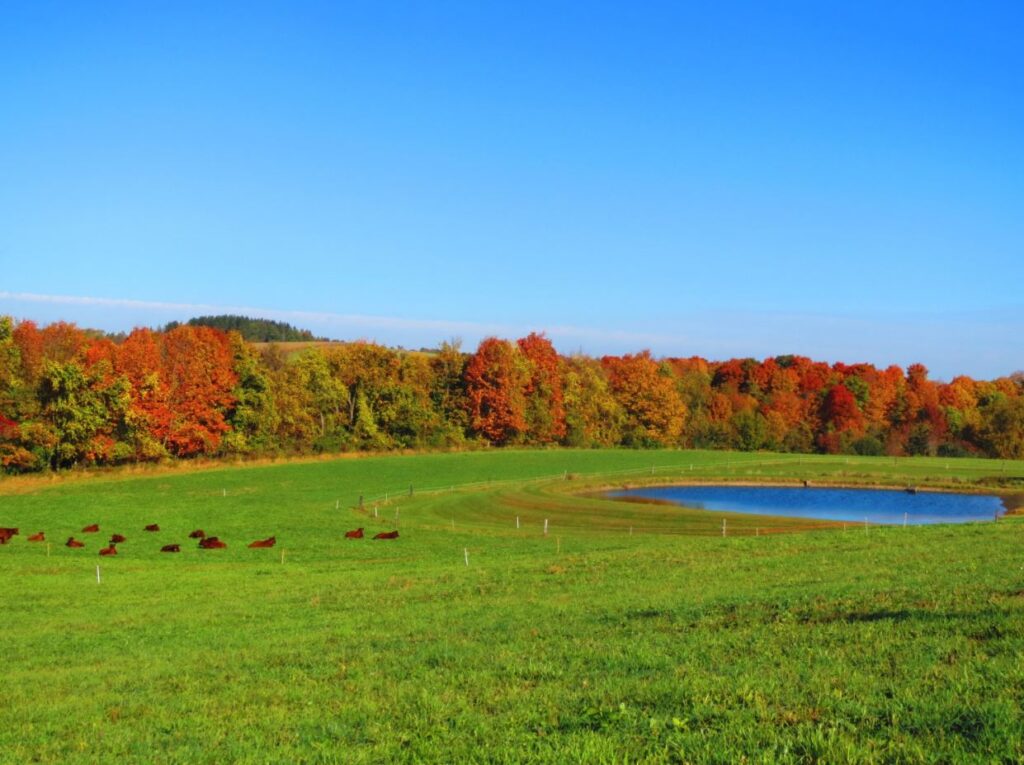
[[357, 534], [197, 534], [40, 537], [171, 548], [387, 535], [112, 550], [91, 529], [268, 542], [211, 543], [116, 539], [152, 527], [72, 542]]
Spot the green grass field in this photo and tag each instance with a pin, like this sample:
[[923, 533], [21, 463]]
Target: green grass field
[[592, 644]]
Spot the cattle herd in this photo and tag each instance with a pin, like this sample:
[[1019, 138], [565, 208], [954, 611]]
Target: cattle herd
[[205, 542]]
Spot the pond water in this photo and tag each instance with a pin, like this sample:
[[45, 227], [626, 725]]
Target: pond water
[[873, 505]]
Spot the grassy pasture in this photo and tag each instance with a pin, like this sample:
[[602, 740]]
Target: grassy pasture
[[670, 644]]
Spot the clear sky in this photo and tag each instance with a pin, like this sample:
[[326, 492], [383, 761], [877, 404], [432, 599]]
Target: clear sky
[[843, 180]]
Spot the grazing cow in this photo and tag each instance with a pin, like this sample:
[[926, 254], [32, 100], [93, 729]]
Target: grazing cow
[[387, 535], [211, 543], [72, 542], [6, 534], [152, 527], [117, 539], [268, 542], [40, 537], [112, 550], [357, 534], [171, 548], [197, 534], [91, 529]]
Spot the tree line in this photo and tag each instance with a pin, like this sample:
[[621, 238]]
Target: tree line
[[256, 330], [72, 397]]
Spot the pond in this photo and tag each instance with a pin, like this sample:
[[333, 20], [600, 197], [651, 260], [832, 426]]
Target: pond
[[873, 505]]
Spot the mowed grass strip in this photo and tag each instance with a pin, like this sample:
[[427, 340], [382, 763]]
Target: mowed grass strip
[[590, 644]]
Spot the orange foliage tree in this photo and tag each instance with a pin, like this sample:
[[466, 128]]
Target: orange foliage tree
[[197, 366], [496, 378], [654, 409]]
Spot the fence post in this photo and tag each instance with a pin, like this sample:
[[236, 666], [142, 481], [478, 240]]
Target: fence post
[[723, 527], [545, 527]]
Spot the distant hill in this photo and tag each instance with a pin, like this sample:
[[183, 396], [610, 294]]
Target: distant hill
[[253, 330]]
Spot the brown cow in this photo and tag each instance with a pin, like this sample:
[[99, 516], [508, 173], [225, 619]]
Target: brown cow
[[387, 535], [268, 542], [171, 548], [112, 550], [6, 534], [357, 534], [197, 534], [91, 529], [72, 542], [152, 527], [211, 543], [117, 539], [40, 537]]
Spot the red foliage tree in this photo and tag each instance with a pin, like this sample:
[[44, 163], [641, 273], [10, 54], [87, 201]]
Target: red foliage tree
[[140, 359], [840, 410], [544, 390], [496, 378], [198, 369]]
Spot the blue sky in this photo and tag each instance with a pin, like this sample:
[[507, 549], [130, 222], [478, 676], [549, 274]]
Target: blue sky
[[839, 180]]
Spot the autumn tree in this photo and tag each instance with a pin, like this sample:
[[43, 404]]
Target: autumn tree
[[253, 417], [85, 408], [200, 380], [496, 379], [1003, 426], [545, 396], [655, 413], [593, 416], [140, 359], [448, 388]]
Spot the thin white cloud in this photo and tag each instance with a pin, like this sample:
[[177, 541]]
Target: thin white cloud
[[358, 322], [984, 344]]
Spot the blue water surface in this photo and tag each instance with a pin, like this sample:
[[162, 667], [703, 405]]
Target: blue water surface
[[871, 505]]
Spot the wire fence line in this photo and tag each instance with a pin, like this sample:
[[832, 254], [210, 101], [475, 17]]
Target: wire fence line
[[409, 490], [412, 490], [529, 521]]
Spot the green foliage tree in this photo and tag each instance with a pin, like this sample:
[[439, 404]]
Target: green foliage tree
[[253, 330], [253, 419], [86, 409], [1003, 427]]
